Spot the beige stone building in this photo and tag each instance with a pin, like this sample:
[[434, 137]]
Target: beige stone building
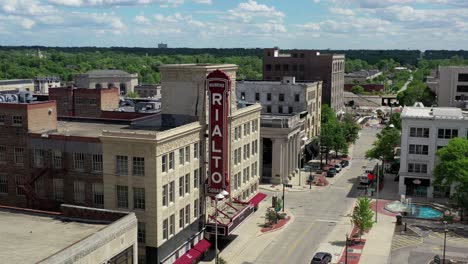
[[98, 79], [450, 84], [16, 84]]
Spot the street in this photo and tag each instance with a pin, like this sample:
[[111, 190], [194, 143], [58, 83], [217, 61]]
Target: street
[[316, 212]]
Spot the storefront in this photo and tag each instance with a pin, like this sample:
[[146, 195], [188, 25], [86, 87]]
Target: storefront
[[417, 187]]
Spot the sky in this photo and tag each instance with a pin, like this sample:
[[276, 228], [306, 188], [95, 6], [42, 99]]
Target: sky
[[302, 24]]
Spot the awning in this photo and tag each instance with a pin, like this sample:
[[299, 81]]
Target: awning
[[188, 258], [202, 246], [257, 199]]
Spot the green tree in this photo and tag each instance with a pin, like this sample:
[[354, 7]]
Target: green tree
[[351, 128], [452, 169], [383, 147], [357, 89], [132, 95], [362, 216], [395, 120]]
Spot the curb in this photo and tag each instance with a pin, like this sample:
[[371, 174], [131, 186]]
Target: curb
[[260, 233]]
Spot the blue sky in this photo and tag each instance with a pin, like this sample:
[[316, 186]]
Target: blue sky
[[321, 24]]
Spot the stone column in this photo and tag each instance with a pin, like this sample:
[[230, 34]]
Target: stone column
[[279, 160], [401, 186]]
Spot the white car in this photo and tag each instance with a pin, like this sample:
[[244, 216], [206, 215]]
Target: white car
[[338, 167]]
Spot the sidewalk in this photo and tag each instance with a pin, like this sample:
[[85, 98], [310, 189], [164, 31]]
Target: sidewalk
[[249, 241]]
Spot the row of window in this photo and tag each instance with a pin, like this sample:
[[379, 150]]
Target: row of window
[[247, 151], [121, 165], [268, 97], [418, 149], [446, 133], [268, 67], [122, 197], [281, 109], [16, 120], [417, 167], [248, 128], [168, 190], [247, 172], [169, 224], [167, 160]]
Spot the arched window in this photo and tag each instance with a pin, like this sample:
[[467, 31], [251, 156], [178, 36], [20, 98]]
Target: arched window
[[123, 88], [98, 86]]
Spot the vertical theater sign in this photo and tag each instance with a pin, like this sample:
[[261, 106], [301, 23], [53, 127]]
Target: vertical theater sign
[[219, 88]]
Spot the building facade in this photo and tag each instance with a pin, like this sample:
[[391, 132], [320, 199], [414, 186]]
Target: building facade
[[44, 83], [450, 84], [308, 65], [424, 131], [16, 84], [99, 79], [148, 90]]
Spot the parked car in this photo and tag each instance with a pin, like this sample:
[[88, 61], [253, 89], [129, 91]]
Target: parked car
[[337, 167], [344, 163], [331, 172], [321, 258]]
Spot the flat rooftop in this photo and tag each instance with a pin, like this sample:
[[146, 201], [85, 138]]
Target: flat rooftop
[[434, 113], [28, 238]]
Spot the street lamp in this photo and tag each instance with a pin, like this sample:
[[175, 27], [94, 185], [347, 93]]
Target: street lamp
[[378, 187], [346, 249], [219, 196], [445, 239]]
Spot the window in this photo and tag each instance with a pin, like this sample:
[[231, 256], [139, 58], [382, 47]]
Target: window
[[165, 226], [280, 109], [237, 132], [242, 95], [121, 165], [93, 101], [164, 163], [138, 166], [235, 181], [171, 160], [290, 109], [122, 196], [268, 67], [187, 154], [419, 132], [239, 150], [196, 179], [39, 158], [255, 169], [98, 194], [187, 183], [171, 191], [187, 214], [281, 97], [58, 189], [294, 67], [244, 174], [57, 159], [79, 191], [97, 163], [239, 180], [181, 186], [257, 96], [78, 161], [268, 109], [417, 167], [269, 96], [296, 97], [164, 195], [277, 67], [19, 155], [2, 119], [3, 184], [181, 218], [141, 233], [172, 224], [19, 185], [17, 120], [462, 88], [447, 133], [418, 149], [235, 157], [2, 153], [138, 198], [246, 129], [285, 67], [301, 67], [196, 151], [181, 156]]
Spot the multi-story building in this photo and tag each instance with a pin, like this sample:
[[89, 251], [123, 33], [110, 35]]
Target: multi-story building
[[7, 86], [148, 90], [424, 131], [98, 79], [75, 234], [42, 84], [153, 166], [450, 84], [290, 120], [308, 65]]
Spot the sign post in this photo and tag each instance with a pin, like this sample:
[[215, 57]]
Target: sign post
[[219, 88]]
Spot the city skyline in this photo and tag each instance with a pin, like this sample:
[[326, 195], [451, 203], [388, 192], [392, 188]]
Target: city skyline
[[320, 24]]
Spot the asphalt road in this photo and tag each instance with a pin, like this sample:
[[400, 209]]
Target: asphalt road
[[316, 213]]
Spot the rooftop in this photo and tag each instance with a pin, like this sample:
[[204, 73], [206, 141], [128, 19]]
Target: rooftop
[[16, 81], [199, 66], [109, 72], [434, 113], [29, 238], [304, 83]]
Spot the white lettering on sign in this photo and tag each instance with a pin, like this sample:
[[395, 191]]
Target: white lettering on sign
[[216, 159], [216, 177], [216, 99], [216, 131], [216, 84], [213, 147]]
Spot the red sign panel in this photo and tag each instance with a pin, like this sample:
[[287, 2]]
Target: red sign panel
[[219, 87]]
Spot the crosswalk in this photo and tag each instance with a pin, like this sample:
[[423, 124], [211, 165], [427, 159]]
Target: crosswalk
[[402, 241], [451, 236]]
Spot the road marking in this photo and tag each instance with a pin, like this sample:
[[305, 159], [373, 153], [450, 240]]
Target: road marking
[[326, 220], [296, 242]]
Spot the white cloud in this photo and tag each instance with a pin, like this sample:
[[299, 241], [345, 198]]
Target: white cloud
[[248, 11], [203, 2], [111, 3], [341, 11], [142, 20]]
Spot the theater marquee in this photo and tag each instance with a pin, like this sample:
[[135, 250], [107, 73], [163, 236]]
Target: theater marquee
[[219, 88]]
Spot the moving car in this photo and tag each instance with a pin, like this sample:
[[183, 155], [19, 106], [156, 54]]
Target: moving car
[[321, 258], [344, 163], [331, 172]]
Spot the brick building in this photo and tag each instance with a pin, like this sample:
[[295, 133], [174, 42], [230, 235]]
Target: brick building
[[308, 65]]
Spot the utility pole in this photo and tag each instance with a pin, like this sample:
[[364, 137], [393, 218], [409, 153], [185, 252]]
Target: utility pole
[[445, 239], [346, 249], [378, 187], [283, 195], [310, 178]]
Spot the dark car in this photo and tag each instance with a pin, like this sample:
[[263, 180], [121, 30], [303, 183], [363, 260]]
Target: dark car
[[344, 163], [321, 258], [331, 172]]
